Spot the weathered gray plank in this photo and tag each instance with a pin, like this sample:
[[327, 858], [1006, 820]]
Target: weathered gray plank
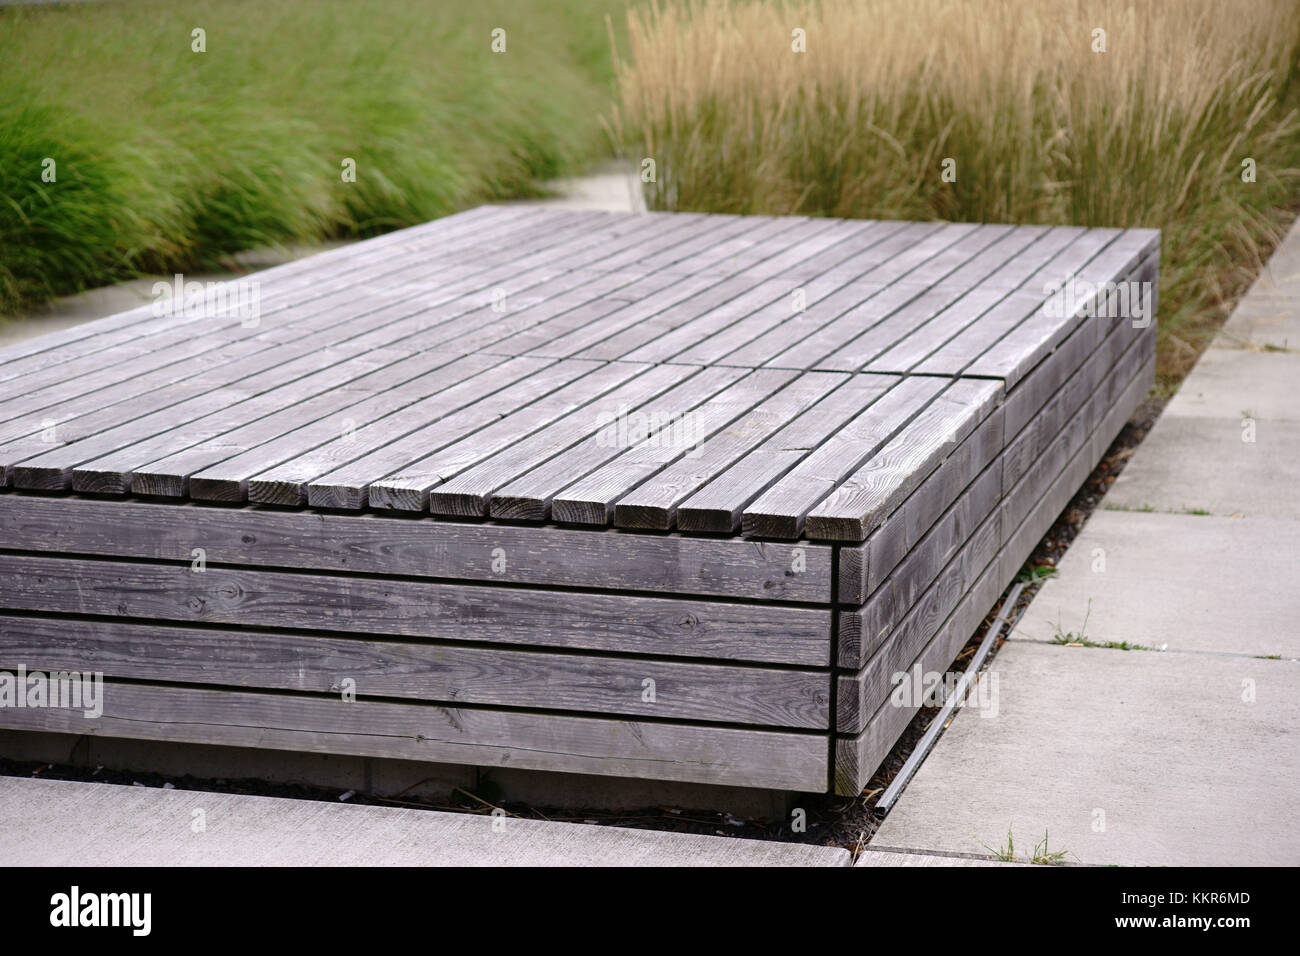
[[772, 276], [783, 760], [737, 256], [719, 506], [111, 455], [827, 286], [418, 547], [825, 291], [441, 673], [677, 330], [756, 339], [966, 477], [851, 342], [575, 439], [654, 503], [457, 299], [1025, 447], [629, 450], [689, 294], [350, 485], [466, 479], [286, 483], [453, 612], [906, 581], [220, 469], [160, 464], [866, 497], [665, 423], [858, 756], [592, 296], [229, 479], [149, 342], [1021, 299], [1043, 331], [947, 559], [862, 693], [591, 499], [1034, 503], [780, 511], [720, 257], [880, 301], [1027, 491], [288, 282], [1088, 334]]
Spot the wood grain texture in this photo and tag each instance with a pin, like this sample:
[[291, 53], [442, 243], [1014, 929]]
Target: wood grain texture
[[720, 505], [590, 499], [327, 309], [290, 284], [654, 503], [780, 511], [440, 673], [575, 436], [857, 756], [860, 694], [419, 547], [912, 569], [871, 493], [780, 760], [351, 485], [452, 612]]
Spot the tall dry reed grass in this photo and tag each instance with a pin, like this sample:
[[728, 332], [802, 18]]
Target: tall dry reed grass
[[1042, 129]]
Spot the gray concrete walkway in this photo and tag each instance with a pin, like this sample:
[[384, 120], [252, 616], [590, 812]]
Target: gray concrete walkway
[[61, 823], [1187, 753]]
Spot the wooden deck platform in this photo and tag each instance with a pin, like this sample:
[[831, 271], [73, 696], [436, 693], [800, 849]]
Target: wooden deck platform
[[668, 496]]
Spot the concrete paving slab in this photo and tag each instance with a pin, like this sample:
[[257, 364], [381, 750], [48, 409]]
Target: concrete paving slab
[[615, 187], [887, 858], [1228, 383], [1203, 463], [1281, 274], [1268, 315], [1120, 757], [1264, 320], [1194, 583], [62, 823]]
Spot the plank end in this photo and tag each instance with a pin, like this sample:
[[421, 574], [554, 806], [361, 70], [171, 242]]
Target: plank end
[[145, 483], [39, 478], [717, 520], [396, 497], [573, 511], [457, 504], [336, 496], [510, 508], [216, 489], [95, 482], [276, 492], [756, 525], [646, 517], [837, 528]]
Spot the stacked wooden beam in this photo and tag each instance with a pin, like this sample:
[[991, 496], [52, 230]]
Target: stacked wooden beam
[[663, 496]]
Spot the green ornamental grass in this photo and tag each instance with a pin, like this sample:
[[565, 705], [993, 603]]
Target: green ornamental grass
[[169, 159]]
